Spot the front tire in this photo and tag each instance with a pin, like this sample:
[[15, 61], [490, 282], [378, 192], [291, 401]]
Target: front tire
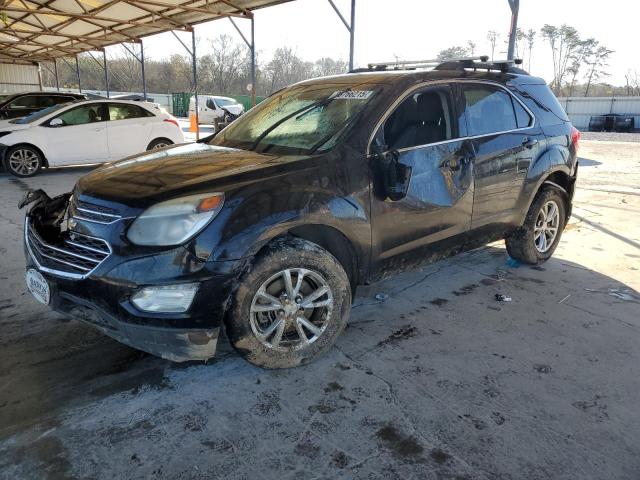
[[290, 307], [23, 161], [540, 234]]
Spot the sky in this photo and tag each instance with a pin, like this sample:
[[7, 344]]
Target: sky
[[419, 29]]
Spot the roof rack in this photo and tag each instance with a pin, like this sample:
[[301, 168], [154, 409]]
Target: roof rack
[[474, 63]]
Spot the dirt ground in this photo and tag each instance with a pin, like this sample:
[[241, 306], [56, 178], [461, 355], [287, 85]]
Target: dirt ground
[[439, 380]]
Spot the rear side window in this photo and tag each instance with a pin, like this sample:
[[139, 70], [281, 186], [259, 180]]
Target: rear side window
[[124, 111], [523, 119], [543, 102], [488, 110], [27, 101]]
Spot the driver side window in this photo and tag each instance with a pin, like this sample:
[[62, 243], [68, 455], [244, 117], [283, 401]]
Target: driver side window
[[423, 118]]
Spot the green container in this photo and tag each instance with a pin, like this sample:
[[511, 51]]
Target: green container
[[245, 100], [181, 103]]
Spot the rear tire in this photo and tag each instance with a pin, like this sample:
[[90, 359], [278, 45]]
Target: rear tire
[[23, 161], [290, 307], [540, 234], [159, 143]]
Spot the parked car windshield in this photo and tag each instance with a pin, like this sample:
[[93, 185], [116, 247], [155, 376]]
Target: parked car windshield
[[298, 120], [35, 116], [224, 102]]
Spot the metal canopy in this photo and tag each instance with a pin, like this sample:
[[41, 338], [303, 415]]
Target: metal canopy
[[47, 29]]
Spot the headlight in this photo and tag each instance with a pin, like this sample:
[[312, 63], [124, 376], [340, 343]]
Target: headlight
[[175, 221]]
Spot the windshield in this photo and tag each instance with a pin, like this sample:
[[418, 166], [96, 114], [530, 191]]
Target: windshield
[[225, 102], [298, 120], [39, 114]]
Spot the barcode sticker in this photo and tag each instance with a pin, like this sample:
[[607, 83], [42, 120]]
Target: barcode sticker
[[354, 95]]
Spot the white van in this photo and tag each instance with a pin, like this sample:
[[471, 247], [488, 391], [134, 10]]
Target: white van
[[216, 111]]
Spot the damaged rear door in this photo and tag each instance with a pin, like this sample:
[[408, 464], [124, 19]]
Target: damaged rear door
[[423, 131]]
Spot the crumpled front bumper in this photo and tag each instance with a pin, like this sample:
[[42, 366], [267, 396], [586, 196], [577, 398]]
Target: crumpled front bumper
[[174, 344]]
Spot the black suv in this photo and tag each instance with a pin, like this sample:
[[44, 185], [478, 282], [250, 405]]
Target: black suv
[[23, 104], [268, 227]]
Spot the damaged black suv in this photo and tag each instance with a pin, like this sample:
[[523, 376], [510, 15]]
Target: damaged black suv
[[268, 227]]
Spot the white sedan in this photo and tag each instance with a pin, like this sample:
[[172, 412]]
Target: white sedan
[[87, 131]]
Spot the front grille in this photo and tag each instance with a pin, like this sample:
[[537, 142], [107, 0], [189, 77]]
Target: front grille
[[90, 212], [75, 256]]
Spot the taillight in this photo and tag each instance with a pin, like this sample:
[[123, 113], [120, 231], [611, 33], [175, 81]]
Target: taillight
[[575, 137], [172, 120]]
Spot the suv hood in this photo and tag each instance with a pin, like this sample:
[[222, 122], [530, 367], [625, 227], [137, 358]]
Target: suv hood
[[235, 109], [144, 179]]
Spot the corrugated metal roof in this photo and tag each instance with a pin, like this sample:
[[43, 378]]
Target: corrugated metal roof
[[42, 30]]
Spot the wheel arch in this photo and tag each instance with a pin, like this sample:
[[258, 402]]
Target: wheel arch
[[171, 142], [45, 161]]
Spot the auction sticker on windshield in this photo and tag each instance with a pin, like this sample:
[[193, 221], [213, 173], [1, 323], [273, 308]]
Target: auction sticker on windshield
[[38, 286], [354, 95]]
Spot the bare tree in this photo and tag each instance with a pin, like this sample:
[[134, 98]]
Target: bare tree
[[563, 40], [585, 49], [597, 63], [493, 36], [530, 38], [471, 46]]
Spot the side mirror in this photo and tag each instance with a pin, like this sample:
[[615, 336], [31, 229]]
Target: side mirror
[[394, 175], [56, 122]]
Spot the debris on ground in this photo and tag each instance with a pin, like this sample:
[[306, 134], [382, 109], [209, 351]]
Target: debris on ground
[[614, 292], [565, 298], [502, 298], [512, 262], [381, 297]]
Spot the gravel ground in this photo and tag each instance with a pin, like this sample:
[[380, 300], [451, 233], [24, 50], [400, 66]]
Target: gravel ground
[[438, 381], [611, 136]]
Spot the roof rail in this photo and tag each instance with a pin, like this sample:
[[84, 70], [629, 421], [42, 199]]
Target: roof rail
[[413, 64], [475, 63], [506, 66]]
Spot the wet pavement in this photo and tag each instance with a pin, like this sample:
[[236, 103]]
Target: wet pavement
[[437, 379]]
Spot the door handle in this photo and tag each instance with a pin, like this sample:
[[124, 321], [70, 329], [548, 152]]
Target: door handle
[[529, 142]]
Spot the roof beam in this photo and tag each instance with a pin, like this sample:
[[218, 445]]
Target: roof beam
[[189, 8]]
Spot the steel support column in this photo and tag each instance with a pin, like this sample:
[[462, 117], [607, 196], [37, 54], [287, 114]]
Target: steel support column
[[515, 7], [351, 27], [140, 60], [144, 79], [252, 52], [55, 68], [195, 79], [78, 74], [106, 70]]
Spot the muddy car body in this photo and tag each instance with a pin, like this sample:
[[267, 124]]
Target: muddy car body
[[301, 218]]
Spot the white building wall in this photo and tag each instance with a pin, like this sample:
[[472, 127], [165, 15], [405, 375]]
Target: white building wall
[[580, 109], [18, 78]]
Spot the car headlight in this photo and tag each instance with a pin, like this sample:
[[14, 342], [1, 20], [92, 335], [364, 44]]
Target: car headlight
[[175, 221]]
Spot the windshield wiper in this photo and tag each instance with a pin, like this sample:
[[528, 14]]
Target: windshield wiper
[[320, 103]]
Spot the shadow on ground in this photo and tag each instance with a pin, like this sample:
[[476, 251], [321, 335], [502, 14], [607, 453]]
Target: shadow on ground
[[438, 380]]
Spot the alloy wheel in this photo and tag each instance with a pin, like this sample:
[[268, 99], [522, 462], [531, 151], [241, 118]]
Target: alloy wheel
[[546, 227], [24, 161], [291, 309]]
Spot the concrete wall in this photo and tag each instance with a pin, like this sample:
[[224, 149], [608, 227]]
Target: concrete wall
[[580, 109], [18, 78]]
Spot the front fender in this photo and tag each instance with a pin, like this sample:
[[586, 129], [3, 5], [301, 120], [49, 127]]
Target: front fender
[[254, 217]]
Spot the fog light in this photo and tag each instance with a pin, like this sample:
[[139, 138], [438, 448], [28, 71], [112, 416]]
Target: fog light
[[166, 298]]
